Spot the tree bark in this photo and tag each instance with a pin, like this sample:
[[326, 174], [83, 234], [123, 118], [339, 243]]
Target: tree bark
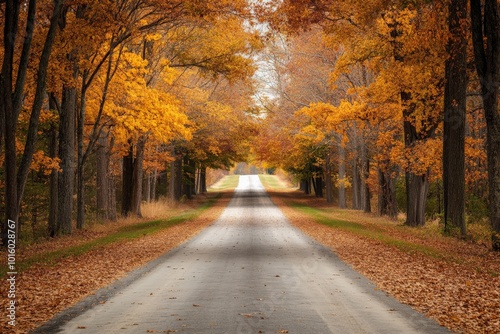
[[203, 179], [112, 213], [417, 188], [189, 177], [356, 185], [154, 180], [53, 182], [137, 174], [67, 119], [102, 182], [127, 180], [318, 189], [454, 120], [328, 179], [175, 184], [387, 204], [147, 187], [486, 41], [365, 173], [342, 177]]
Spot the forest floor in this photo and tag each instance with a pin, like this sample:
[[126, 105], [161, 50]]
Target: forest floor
[[456, 282], [453, 281]]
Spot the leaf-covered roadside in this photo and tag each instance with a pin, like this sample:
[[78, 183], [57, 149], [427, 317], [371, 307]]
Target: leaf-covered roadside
[[453, 281], [44, 289]]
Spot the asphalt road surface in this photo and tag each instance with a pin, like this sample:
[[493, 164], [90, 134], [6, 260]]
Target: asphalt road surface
[[250, 272]]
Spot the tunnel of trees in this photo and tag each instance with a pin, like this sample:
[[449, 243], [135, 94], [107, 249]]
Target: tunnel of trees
[[379, 106]]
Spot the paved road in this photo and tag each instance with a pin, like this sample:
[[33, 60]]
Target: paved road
[[250, 272]]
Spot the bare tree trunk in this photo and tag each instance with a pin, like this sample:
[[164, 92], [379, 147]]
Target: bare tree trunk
[[102, 182], [387, 204], [328, 179], [175, 184], [454, 120], [137, 179], [342, 177], [80, 179], [67, 121], [365, 173], [154, 180], [127, 180], [203, 179], [112, 214], [53, 183], [417, 188], [356, 185], [147, 187]]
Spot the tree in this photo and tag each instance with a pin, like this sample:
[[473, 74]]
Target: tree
[[485, 28], [454, 119], [11, 91]]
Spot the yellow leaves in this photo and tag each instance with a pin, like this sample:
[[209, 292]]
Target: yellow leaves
[[43, 163]]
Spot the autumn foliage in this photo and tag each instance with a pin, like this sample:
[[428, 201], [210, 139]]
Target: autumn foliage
[[106, 104], [138, 99], [358, 108]]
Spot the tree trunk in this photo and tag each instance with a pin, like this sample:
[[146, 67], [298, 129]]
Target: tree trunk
[[305, 187], [454, 120], [127, 180], [66, 177], [356, 185], [154, 180], [137, 174], [147, 187], [387, 204], [9, 115], [365, 173], [112, 214], [318, 190], [328, 179], [487, 59], [342, 178], [175, 184], [188, 180], [417, 188], [80, 179], [53, 186], [203, 179], [102, 182], [80, 196]]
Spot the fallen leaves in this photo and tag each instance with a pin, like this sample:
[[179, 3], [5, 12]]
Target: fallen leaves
[[461, 290], [45, 290]]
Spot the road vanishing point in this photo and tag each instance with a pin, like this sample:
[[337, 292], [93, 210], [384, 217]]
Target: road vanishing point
[[249, 272]]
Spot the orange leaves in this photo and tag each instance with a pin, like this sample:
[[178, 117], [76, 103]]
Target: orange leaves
[[43, 163]]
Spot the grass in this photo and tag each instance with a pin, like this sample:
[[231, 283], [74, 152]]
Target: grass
[[124, 233], [226, 183], [272, 182], [370, 231]]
